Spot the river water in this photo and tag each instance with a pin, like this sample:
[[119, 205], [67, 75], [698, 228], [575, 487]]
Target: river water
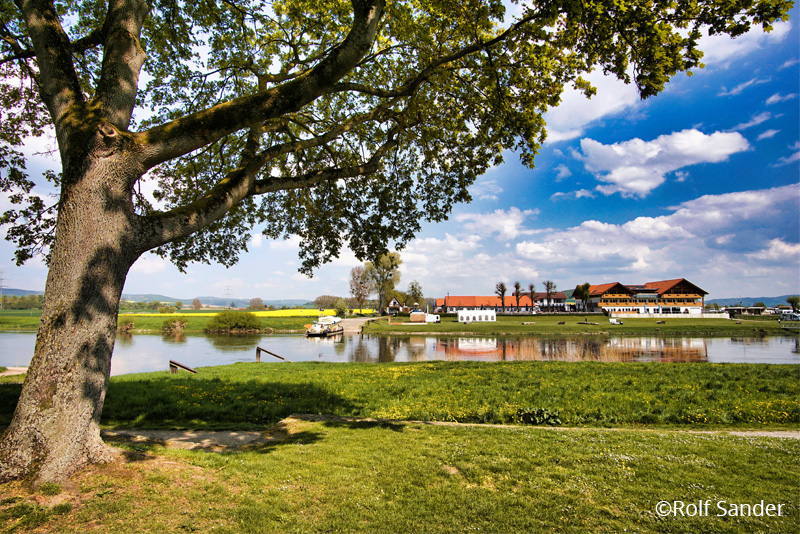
[[143, 353]]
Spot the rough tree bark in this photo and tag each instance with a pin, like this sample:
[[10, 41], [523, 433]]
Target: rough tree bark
[[55, 429]]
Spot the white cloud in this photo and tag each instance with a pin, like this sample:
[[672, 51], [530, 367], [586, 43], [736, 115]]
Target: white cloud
[[787, 160], [777, 98], [722, 50], [293, 243], [256, 240], [695, 240], [150, 264], [507, 224], [486, 190], [768, 134], [570, 119], [562, 172], [580, 193], [755, 121], [636, 167], [739, 89], [575, 112], [779, 251]]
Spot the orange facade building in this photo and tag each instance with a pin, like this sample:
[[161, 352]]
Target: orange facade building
[[665, 296]]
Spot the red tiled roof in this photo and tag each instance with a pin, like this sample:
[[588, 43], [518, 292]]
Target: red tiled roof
[[476, 302], [664, 286], [598, 290]]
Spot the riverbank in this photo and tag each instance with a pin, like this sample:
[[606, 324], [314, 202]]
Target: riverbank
[[570, 325], [512, 325], [247, 396]]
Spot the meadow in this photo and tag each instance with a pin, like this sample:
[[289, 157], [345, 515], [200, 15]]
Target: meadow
[[285, 321], [376, 461], [256, 395], [372, 476]]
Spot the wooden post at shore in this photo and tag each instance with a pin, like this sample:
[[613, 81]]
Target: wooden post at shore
[[259, 350], [175, 366]]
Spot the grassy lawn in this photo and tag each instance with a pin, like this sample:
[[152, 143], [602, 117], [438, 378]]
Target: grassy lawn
[[350, 476], [255, 395], [549, 325], [342, 475]]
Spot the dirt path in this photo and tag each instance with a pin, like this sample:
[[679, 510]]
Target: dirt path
[[353, 326], [232, 440], [14, 371]]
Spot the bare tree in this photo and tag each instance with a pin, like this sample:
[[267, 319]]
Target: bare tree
[[500, 290], [531, 288], [197, 305], [359, 286], [549, 288], [255, 304]]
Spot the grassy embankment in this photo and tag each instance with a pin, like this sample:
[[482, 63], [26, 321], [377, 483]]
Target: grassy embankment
[[284, 321], [277, 321], [349, 476], [255, 395], [549, 325]]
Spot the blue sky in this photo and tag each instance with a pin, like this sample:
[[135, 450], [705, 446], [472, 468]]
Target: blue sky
[[701, 182]]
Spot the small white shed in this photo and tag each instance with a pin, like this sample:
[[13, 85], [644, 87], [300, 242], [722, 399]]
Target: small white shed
[[477, 316]]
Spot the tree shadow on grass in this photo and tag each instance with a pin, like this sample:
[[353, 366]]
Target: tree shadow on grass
[[211, 403]]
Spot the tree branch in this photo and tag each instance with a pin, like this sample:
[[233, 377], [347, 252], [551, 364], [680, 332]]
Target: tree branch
[[184, 135], [122, 60], [58, 81], [413, 84], [161, 228], [311, 179]]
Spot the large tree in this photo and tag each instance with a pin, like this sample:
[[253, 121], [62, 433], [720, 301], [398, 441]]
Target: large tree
[[344, 123], [384, 275]]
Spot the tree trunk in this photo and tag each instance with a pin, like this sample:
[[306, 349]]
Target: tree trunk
[[55, 429]]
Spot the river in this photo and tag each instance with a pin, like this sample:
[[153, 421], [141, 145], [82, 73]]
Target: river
[[143, 353]]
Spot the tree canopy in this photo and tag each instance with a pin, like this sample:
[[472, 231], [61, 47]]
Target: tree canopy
[[345, 123]]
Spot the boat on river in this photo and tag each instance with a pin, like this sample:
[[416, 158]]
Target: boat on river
[[325, 326]]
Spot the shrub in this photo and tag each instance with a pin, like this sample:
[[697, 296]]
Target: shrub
[[125, 328], [539, 416], [173, 326], [166, 309], [233, 321], [50, 488], [341, 308]]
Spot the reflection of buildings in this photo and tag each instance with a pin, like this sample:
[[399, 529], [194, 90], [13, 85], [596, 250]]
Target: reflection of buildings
[[659, 349], [485, 349], [578, 349]]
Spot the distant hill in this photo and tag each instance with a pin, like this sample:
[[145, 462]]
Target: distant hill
[[11, 292], [749, 301], [210, 301], [214, 301]]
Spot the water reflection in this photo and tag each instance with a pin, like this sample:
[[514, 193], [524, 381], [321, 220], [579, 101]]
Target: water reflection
[[579, 349], [140, 353]]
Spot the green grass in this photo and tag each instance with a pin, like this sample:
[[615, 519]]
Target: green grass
[[548, 325], [19, 319], [350, 476], [13, 320], [255, 395]]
